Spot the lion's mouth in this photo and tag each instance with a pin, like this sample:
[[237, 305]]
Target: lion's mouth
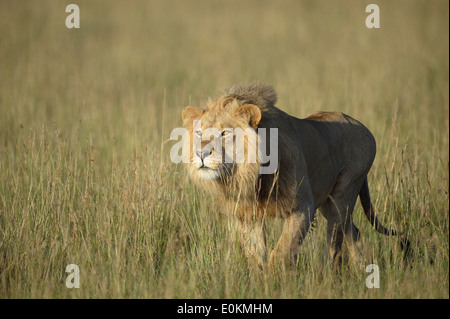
[[205, 172]]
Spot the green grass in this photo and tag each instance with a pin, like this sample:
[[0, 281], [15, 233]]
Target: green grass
[[85, 115]]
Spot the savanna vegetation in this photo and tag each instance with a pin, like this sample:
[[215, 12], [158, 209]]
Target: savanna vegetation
[[85, 119]]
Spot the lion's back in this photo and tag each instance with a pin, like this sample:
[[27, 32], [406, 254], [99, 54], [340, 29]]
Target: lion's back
[[350, 141], [340, 126]]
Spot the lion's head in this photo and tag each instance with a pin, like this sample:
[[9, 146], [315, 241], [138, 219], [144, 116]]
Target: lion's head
[[223, 143]]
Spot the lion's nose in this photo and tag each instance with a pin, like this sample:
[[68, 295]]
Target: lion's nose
[[203, 154]]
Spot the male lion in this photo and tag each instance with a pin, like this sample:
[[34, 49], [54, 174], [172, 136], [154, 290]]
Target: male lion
[[323, 161]]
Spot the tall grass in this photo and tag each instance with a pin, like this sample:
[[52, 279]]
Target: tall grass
[[85, 176]]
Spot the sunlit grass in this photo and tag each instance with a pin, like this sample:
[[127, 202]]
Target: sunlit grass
[[85, 115]]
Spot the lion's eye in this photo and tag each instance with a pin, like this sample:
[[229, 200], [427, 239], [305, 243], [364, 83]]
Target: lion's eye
[[225, 133]]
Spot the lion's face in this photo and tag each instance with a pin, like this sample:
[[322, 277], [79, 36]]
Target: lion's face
[[220, 139]]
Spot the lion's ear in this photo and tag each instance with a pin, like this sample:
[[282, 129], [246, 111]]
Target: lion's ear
[[191, 113], [251, 113]]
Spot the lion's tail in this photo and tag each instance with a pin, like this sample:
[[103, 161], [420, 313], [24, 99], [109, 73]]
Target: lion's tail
[[366, 203]]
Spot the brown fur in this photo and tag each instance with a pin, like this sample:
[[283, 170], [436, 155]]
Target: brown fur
[[323, 161]]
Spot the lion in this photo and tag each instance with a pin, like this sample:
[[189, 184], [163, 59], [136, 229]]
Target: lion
[[322, 163]]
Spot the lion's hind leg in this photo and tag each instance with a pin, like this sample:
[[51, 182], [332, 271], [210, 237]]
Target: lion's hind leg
[[335, 233], [338, 210], [355, 245]]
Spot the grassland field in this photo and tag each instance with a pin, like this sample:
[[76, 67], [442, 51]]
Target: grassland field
[[85, 119]]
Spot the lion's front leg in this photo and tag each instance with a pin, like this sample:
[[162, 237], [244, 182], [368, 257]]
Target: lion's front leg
[[295, 228], [252, 235]]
